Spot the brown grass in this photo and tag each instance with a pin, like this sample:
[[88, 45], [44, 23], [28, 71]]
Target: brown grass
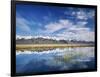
[[47, 46]]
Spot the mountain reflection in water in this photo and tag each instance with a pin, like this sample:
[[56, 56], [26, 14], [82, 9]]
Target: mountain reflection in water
[[55, 60]]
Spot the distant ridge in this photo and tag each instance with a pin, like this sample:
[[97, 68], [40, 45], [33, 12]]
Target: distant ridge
[[47, 40]]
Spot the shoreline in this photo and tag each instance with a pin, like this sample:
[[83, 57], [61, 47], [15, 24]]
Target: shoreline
[[48, 46]]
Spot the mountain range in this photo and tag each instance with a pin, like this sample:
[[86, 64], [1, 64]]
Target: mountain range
[[48, 40]]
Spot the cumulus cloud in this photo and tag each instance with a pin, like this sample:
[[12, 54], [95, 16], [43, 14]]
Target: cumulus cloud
[[84, 15], [77, 33], [70, 30], [81, 14]]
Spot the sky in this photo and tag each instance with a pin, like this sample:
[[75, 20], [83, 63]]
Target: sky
[[67, 23]]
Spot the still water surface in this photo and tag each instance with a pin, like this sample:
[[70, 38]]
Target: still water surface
[[58, 59]]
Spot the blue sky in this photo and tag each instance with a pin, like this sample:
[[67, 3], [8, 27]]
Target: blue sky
[[60, 22]]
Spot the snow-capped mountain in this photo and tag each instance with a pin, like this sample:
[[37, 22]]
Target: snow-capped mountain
[[47, 40], [45, 37]]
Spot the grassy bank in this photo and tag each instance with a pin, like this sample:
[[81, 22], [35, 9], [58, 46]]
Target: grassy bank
[[48, 46]]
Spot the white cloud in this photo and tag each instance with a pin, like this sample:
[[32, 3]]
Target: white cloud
[[81, 29], [76, 33], [70, 31], [55, 26], [85, 15], [81, 15], [22, 23], [73, 13], [91, 14], [82, 23]]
